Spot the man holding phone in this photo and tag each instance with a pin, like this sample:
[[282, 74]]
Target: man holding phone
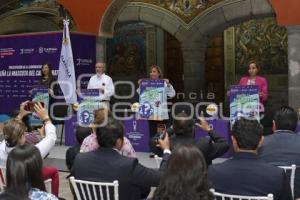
[[182, 132], [14, 134], [30, 105]]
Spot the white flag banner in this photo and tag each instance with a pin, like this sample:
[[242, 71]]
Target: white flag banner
[[66, 71]]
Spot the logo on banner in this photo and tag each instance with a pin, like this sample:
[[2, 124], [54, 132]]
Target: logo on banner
[[26, 51], [146, 110], [47, 50], [134, 123], [212, 109], [85, 117], [6, 52], [81, 61]]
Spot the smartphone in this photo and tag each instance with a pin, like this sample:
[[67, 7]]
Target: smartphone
[[30, 105], [161, 129], [162, 136], [195, 121]]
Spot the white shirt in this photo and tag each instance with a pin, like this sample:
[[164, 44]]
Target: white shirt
[[102, 82], [44, 145]]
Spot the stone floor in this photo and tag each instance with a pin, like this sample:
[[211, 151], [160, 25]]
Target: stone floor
[[64, 188]]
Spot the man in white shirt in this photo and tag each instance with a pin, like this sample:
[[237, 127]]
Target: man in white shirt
[[102, 82]]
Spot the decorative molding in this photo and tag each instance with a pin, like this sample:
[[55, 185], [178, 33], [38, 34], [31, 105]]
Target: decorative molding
[[27, 23], [220, 16], [30, 10], [229, 57], [151, 45], [110, 18]]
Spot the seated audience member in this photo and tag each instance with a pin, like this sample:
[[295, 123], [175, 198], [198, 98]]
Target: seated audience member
[[183, 128], [245, 174], [14, 134], [81, 134], [283, 147], [185, 176], [90, 143], [32, 134], [24, 173], [107, 164], [14, 129]]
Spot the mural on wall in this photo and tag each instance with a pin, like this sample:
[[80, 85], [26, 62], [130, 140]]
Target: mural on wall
[[264, 41], [126, 57], [185, 9], [126, 52]]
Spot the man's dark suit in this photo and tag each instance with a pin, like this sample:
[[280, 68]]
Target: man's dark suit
[[282, 148], [211, 146], [245, 174], [106, 164]]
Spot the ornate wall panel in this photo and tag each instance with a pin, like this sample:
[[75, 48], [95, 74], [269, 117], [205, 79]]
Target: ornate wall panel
[[187, 10], [263, 40], [126, 52]]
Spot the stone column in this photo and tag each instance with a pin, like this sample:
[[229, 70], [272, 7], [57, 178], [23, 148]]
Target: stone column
[[100, 49], [294, 66], [151, 46], [194, 65]]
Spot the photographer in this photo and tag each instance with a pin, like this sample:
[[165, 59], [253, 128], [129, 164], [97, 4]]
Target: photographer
[[182, 132], [14, 134], [14, 129]]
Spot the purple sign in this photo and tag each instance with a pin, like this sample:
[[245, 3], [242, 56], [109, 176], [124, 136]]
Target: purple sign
[[87, 106], [244, 102], [137, 131], [70, 128], [152, 99], [221, 127], [22, 56]]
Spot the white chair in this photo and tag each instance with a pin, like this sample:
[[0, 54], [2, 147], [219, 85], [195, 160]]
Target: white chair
[[87, 190], [157, 160], [292, 169], [48, 185], [224, 196]]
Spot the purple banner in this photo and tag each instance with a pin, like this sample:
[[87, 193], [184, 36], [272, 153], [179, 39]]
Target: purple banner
[[70, 128], [221, 127], [137, 131], [22, 56]]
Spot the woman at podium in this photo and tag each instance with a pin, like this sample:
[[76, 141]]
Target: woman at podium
[[156, 74], [47, 78], [254, 79]]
